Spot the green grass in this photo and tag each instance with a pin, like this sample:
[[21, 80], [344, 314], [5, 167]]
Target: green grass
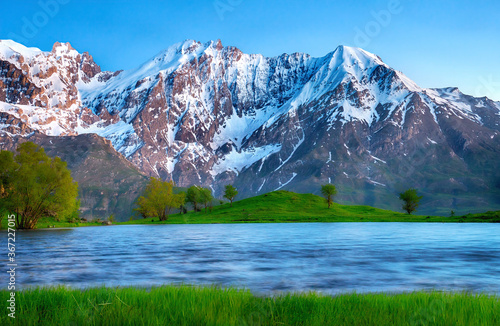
[[285, 206], [186, 305], [47, 222]]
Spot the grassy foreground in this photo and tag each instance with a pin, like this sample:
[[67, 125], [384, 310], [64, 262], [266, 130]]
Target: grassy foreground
[[49, 222], [285, 206], [184, 305]]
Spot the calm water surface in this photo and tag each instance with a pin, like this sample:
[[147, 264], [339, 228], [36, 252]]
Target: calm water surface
[[328, 257]]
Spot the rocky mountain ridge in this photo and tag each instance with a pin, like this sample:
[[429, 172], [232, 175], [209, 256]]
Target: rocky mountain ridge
[[208, 114]]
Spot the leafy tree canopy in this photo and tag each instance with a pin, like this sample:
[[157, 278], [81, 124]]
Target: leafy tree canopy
[[206, 197], [33, 185], [230, 192], [328, 191], [194, 196], [411, 200], [159, 199]]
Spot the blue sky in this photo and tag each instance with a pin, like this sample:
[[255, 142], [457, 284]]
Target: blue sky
[[435, 43]]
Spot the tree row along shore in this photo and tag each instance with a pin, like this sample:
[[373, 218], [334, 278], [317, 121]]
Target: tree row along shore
[[35, 187]]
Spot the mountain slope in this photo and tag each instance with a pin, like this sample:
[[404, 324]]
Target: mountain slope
[[107, 183], [207, 114]]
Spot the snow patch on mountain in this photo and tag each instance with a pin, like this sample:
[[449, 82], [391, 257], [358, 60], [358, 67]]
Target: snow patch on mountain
[[120, 135], [237, 161], [164, 63], [37, 118], [236, 128], [8, 48], [287, 182]]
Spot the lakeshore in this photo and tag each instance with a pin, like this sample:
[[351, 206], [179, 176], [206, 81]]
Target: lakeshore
[[284, 207]]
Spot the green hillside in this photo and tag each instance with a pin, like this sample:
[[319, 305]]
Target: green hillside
[[285, 206]]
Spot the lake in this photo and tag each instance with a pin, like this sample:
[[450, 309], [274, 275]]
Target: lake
[[265, 258]]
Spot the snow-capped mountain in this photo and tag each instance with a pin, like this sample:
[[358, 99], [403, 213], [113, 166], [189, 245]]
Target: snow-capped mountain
[[207, 114]]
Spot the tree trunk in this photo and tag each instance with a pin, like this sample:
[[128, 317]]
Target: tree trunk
[[162, 216]]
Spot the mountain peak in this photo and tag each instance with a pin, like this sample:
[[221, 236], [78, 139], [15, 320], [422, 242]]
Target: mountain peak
[[65, 46], [60, 49], [352, 56], [219, 45], [178, 49], [189, 46], [10, 47]]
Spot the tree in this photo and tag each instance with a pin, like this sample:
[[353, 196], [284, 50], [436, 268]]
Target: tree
[[194, 196], [33, 185], [411, 200], [7, 166], [230, 192], [159, 199], [328, 191], [206, 197]]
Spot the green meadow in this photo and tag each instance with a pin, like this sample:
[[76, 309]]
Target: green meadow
[[284, 206], [187, 305], [49, 222]]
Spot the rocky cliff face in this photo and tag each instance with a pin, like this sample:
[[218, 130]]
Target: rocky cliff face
[[211, 115]]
